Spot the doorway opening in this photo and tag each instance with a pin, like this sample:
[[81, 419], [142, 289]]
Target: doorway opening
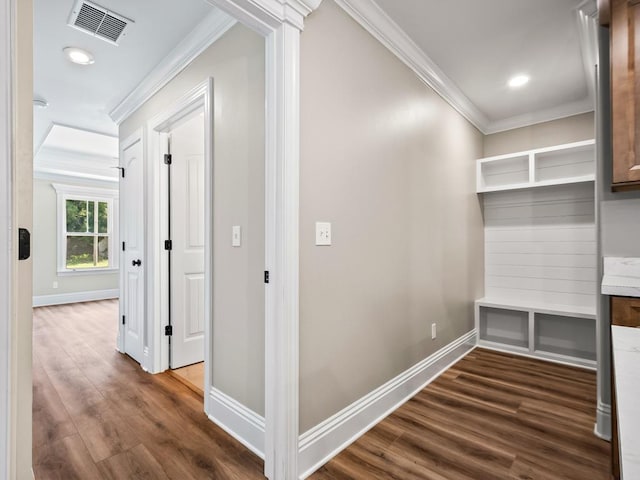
[[185, 245]]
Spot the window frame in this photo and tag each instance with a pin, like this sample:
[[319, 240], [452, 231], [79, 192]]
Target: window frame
[[89, 194]]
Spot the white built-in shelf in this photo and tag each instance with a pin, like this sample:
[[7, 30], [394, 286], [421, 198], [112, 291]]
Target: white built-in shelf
[[562, 333], [557, 165]]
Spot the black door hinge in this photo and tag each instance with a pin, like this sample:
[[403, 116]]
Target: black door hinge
[[123, 319], [168, 245], [168, 330], [123, 246], [167, 159], [121, 171], [266, 276]]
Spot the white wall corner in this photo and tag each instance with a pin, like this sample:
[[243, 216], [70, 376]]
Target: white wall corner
[[586, 16], [207, 32], [373, 19], [603, 421], [240, 422], [327, 439]]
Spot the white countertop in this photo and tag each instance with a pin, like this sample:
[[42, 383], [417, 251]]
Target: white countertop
[[626, 360], [621, 276]]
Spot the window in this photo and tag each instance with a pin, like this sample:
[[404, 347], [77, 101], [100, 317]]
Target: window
[[86, 229]]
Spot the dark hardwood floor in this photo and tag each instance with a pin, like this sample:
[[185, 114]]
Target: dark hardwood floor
[[491, 416], [97, 415]]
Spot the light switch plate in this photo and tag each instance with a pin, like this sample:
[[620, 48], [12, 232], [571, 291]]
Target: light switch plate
[[323, 233], [236, 236]]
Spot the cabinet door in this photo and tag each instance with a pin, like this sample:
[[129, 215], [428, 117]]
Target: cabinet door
[[625, 90]]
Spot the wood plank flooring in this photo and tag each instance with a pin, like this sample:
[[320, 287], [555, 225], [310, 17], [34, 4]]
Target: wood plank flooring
[[491, 416], [192, 376], [97, 415]]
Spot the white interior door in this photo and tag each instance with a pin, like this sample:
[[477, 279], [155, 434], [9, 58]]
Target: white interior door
[[187, 236], [132, 234]]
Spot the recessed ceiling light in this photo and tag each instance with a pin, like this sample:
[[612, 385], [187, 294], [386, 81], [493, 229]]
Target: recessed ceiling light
[[518, 81], [40, 103], [78, 55]]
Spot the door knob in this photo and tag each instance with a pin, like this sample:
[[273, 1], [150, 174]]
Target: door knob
[[136, 263]]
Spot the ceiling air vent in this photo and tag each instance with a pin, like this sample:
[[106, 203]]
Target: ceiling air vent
[[98, 21]]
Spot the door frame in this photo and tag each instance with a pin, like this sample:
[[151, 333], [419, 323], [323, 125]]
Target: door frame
[[200, 97], [137, 136], [7, 373]]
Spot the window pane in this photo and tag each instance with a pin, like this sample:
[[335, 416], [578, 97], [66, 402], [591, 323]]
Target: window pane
[[76, 216], [103, 217], [80, 252], [91, 216], [103, 252]]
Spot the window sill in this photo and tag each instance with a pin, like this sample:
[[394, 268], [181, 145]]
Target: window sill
[[87, 271]]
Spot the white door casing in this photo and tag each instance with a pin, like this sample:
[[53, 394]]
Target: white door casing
[[281, 22], [188, 238], [132, 266], [6, 247]]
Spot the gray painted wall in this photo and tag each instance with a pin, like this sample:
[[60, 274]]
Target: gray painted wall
[[236, 63], [547, 134], [45, 241], [391, 166]]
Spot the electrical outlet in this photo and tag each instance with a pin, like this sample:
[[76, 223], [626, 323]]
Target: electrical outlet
[[55, 284], [433, 331]]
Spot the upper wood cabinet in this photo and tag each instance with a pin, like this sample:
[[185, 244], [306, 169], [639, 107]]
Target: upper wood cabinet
[[604, 12], [625, 93]]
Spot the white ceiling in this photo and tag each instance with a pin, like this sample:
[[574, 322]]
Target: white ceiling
[[479, 45], [82, 96]]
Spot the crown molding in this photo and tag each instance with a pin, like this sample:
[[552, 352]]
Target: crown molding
[[374, 20], [210, 29], [67, 163], [272, 12], [555, 113]]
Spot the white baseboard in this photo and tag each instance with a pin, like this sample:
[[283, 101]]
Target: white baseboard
[[602, 427], [326, 440], [240, 422], [62, 298]]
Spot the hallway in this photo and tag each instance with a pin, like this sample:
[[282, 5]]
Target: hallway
[[97, 415]]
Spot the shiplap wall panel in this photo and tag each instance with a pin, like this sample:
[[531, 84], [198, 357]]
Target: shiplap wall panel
[[504, 172], [540, 245], [564, 164]]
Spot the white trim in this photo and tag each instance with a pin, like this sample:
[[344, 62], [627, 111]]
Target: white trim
[[375, 21], [586, 16], [602, 428], [554, 113], [200, 97], [56, 175], [327, 439], [66, 192], [240, 422], [207, 32], [75, 297], [7, 449]]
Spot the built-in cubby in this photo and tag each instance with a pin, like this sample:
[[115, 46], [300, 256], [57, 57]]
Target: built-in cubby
[[540, 253], [561, 164]]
